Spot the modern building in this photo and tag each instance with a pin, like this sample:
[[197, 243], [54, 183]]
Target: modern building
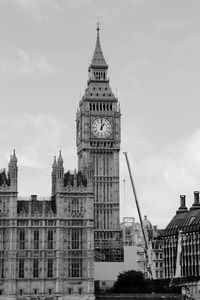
[[48, 246]]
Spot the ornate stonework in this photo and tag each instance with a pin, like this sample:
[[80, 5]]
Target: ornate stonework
[[98, 146]]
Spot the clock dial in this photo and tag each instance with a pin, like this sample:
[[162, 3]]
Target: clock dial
[[101, 128]]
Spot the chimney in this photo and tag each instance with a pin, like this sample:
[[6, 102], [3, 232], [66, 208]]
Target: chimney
[[182, 207], [33, 197], [155, 231], [196, 204], [196, 197]]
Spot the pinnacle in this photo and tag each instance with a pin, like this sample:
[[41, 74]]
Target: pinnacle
[[14, 158], [54, 163], [60, 159], [98, 59]]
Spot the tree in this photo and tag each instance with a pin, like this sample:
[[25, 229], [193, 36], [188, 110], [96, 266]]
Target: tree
[[132, 282]]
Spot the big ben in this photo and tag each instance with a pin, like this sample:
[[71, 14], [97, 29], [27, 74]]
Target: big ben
[[98, 145]]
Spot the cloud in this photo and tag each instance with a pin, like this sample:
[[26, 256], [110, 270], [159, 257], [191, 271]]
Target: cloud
[[161, 174], [190, 44], [31, 135], [24, 63], [78, 3], [169, 24], [36, 138], [38, 9]]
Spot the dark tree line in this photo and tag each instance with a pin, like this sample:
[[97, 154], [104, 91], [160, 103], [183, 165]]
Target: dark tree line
[[134, 282]]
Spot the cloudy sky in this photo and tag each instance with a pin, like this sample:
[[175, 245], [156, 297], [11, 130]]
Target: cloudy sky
[[153, 52]]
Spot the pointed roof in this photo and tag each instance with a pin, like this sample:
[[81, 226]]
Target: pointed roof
[[98, 59], [14, 158], [54, 163], [60, 159], [10, 162]]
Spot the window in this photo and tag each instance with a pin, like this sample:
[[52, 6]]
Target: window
[[35, 291], [76, 239], [50, 239], [75, 267], [2, 205], [36, 239], [160, 255], [80, 291], [1, 292], [50, 268], [70, 291], [50, 291], [75, 206], [35, 268], [22, 239], [191, 220], [21, 292], [161, 265], [21, 268], [1, 268]]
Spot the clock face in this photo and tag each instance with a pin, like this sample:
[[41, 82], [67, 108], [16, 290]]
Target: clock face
[[101, 128]]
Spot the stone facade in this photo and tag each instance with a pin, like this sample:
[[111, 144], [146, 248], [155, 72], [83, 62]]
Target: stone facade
[[98, 146], [46, 245]]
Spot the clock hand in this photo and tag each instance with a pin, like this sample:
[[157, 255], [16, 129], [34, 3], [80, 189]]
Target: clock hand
[[102, 126]]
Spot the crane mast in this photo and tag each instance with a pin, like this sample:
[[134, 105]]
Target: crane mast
[[140, 217]]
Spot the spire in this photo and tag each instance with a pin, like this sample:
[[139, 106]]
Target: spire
[[54, 163], [10, 162], [60, 159], [14, 158], [98, 60]]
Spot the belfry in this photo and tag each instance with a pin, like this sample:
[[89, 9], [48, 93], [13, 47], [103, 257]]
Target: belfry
[[98, 146]]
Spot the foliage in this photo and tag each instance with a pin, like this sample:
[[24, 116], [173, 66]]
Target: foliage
[[132, 282]]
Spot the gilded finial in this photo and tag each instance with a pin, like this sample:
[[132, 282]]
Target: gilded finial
[[98, 25]]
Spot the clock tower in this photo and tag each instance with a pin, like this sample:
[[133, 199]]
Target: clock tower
[[98, 146]]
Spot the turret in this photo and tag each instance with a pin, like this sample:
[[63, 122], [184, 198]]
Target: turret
[[53, 176], [60, 169], [12, 171], [57, 174]]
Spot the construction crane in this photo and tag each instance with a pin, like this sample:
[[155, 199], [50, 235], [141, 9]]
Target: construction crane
[[146, 249]]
